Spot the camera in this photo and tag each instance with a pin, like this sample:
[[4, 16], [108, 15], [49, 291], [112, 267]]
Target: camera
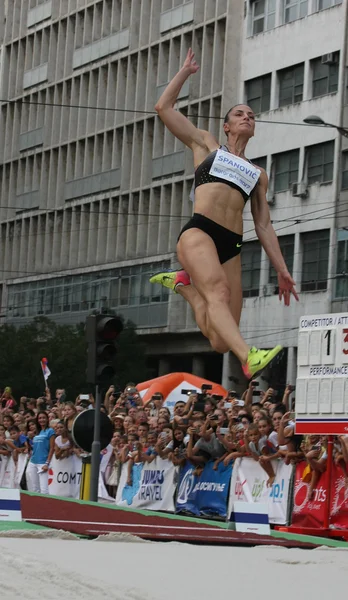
[[217, 397], [205, 387], [84, 397], [131, 390], [232, 394], [224, 430], [240, 402], [214, 418], [84, 403], [199, 406], [187, 392], [255, 383]]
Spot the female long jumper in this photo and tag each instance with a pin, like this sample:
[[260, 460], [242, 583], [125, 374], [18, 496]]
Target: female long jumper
[[209, 245]]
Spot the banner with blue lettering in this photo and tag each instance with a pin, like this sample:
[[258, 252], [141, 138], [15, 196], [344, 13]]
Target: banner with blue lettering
[[152, 486], [206, 494], [249, 484], [64, 476]]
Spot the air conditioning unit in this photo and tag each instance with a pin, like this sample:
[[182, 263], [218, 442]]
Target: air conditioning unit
[[268, 289], [299, 189], [329, 59]]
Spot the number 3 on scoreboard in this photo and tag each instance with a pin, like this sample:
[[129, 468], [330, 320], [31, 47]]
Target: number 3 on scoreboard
[[345, 342]]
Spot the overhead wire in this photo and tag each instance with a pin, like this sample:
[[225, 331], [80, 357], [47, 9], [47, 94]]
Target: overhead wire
[[161, 222], [23, 100], [165, 184], [294, 220], [297, 219], [98, 281]]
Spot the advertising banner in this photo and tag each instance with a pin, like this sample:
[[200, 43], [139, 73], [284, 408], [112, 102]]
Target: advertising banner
[[8, 471], [64, 477], [10, 505], [106, 455], [309, 512], [153, 486], [206, 494], [20, 468], [249, 484], [3, 465]]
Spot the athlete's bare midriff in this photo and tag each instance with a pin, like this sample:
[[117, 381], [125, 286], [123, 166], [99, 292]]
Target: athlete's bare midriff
[[221, 204]]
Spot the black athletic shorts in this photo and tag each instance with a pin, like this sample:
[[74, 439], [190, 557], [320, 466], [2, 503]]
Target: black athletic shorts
[[228, 244]]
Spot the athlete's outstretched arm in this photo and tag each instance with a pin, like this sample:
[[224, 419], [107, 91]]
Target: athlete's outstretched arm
[[269, 241], [176, 122]]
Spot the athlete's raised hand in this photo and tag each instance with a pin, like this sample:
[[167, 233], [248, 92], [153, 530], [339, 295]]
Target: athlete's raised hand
[[190, 64], [286, 287]]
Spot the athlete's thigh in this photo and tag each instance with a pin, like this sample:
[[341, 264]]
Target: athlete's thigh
[[233, 271], [197, 254]]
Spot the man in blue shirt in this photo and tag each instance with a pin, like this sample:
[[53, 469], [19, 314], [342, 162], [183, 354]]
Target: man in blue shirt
[[18, 443]]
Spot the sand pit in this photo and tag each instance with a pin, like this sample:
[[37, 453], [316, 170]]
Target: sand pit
[[50, 569]]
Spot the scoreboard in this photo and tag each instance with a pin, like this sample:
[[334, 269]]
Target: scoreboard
[[322, 375]]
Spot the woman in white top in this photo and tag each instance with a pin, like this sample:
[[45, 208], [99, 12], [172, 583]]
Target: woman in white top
[[63, 445]]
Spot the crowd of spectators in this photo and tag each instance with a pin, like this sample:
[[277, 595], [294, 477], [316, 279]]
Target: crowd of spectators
[[203, 427]]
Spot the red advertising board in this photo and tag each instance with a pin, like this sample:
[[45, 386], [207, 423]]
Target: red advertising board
[[310, 513], [321, 426]]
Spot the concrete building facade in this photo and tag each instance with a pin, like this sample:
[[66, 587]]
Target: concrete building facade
[[94, 190]]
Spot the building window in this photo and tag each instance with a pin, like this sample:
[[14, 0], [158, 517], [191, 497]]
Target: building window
[[325, 74], [251, 264], [315, 248], [258, 93], [322, 4], [260, 161], [263, 15], [342, 265], [127, 290], [285, 170], [345, 171], [295, 9], [320, 159], [287, 244], [291, 85]]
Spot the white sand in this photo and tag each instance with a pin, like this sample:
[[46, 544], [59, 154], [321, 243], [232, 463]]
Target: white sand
[[50, 569]]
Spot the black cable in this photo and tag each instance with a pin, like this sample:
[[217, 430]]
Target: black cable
[[144, 112], [24, 272], [295, 220], [99, 299]]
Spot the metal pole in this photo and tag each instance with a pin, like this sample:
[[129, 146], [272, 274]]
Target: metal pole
[[95, 454]]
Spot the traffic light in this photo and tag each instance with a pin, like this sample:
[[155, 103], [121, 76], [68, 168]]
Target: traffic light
[[102, 332]]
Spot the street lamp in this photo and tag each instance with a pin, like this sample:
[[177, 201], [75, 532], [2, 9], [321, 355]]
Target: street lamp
[[315, 120]]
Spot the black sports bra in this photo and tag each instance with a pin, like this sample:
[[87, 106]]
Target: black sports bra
[[202, 174]]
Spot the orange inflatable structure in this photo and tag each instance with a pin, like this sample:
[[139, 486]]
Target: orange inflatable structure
[[171, 385]]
